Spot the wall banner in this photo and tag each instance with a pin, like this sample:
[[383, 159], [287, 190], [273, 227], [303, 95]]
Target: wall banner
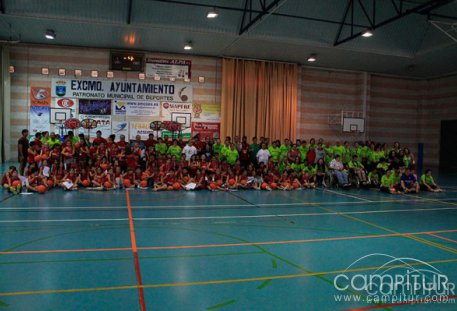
[[122, 90], [39, 119], [206, 129], [40, 96], [142, 109], [168, 68]]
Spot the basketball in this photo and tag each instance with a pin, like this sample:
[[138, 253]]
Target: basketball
[[286, 184], [296, 185], [243, 182], [143, 184], [41, 189], [212, 185], [86, 183], [44, 157], [16, 183], [273, 185], [127, 182], [37, 159], [186, 179], [264, 185], [176, 186], [50, 183], [104, 166], [108, 185], [231, 182]]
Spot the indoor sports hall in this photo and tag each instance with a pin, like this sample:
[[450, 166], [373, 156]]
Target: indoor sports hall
[[228, 155]]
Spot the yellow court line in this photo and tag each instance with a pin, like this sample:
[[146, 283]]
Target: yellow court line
[[213, 282], [417, 239]]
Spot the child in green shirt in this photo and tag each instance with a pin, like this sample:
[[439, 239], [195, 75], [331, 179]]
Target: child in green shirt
[[427, 182]]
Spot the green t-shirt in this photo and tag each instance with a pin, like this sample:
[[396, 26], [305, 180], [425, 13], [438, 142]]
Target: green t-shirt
[[232, 156], [161, 148], [283, 150], [217, 148], [310, 170], [338, 150], [373, 176], [175, 151], [303, 152], [384, 166], [274, 151], [296, 167], [355, 164], [425, 179], [387, 181]]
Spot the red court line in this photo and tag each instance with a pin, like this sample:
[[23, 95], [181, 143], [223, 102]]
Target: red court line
[[397, 304], [443, 238], [83, 250], [135, 255]]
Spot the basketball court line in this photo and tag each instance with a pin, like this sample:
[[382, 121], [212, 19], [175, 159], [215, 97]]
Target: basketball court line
[[443, 238], [135, 255], [224, 281], [227, 244], [178, 207], [348, 195], [328, 213]]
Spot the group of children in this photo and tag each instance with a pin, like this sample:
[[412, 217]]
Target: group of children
[[163, 164]]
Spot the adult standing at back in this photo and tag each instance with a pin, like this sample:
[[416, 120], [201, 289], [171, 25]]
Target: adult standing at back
[[22, 147]]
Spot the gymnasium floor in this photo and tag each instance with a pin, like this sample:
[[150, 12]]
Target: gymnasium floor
[[243, 250]]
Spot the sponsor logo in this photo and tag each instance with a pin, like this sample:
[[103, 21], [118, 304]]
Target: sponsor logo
[[65, 103], [72, 123], [40, 94]]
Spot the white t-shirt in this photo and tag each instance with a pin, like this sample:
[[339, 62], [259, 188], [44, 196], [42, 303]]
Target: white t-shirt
[[189, 151], [263, 155]]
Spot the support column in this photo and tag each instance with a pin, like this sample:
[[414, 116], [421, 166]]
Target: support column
[[5, 105]]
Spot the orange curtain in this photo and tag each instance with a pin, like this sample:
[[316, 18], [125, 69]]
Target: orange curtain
[[258, 99]]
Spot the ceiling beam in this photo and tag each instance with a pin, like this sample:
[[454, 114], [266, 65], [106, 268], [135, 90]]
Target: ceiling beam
[[424, 8], [266, 10], [236, 9]]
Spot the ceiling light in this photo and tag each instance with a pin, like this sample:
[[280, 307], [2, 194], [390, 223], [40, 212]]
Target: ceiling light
[[367, 33], [44, 71], [78, 72], [62, 71], [50, 34], [141, 76], [11, 69], [212, 13], [312, 58], [94, 73], [188, 46], [110, 74], [156, 77], [172, 79]]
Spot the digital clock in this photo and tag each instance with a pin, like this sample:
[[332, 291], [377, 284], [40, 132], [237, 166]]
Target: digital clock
[[126, 61]]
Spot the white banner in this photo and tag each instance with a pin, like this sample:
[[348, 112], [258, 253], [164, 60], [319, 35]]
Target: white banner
[[140, 128], [122, 90], [142, 109], [120, 128], [39, 119], [103, 124], [168, 68]]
